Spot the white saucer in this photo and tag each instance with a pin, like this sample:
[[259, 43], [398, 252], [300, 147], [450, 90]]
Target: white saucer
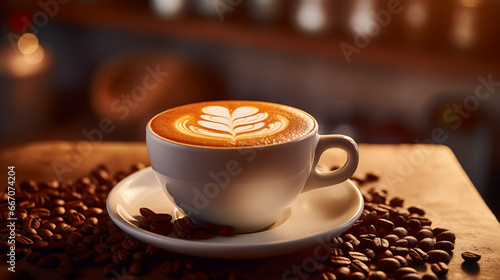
[[313, 217]]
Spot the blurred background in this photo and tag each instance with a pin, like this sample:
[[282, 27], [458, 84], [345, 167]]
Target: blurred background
[[381, 71]]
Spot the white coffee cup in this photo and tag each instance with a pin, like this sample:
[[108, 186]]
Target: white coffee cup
[[246, 187]]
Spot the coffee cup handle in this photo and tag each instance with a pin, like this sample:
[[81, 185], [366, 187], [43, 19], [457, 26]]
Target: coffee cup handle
[[319, 179]]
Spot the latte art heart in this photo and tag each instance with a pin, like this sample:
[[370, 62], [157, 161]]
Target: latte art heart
[[232, 124], [219, 122]]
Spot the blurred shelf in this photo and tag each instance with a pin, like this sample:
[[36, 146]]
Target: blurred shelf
[[238, 30]]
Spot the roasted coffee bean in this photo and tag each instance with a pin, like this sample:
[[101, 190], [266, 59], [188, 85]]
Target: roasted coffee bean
[[100, 230], [380, 244], [438, 230], [137, 269], [424, 233], [400, 232], [359, 266], [40, 212], [45, 233], [172, 268], [49, 226], [57, 211], [388, 265], [226, 231], [337, 261], [145, 222], [92, 239], [131, 244], [412, 241], [399, 251], [31, 222], [426, 244], [57, 246], [101, 247], [392, 238], [418, 255], [370, 254], [86, 228], [139, 256], [28, 231], [346, 247], [35, 237], [416, 210], [146, 212], [182, 229], [410, 276], [439, 268], [377, 275], [444, 245], [115, 237], [414, 224], [470, 257], [385, 254], [40, 246], [401, 243], [161, 228], [55, 237], [160, 218], [358, 256], [342, 272], [446, 236], [74, 237], [327, 276], [402, 260], [101, 258], [404, 270], [438, 256], [83, 257], [357, 275], [115, 247], [121, 256], [48, 261], [201, 234], [22, 241]]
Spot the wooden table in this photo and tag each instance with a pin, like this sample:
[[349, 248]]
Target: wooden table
[[425, 175]]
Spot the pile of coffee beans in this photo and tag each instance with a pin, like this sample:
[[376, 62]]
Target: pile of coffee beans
[[183, 228], [64, 226]]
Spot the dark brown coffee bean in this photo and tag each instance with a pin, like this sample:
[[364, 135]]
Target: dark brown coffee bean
[[57, 246], [400, 221], [115, 247], [172, 268], [74, 237], [93, 212], [444, 245], [58, 211], [83, 257], [45, 233], [370, 254], [358, 256], [146, 212], [49, 226], [145, 222], [380, 244], [139, 256], [357, 275], [446, 236], [31, 222], [28, 231], [388, 265], [384, 224], [438, 230], [412, 241], [377, 275], [86, 228], [131, 244], [410, 276], [337, 261], [201, 234], [182, 229], [121, 256], [102, 258], [100, 230], [438, 256], [137, 269], [161, 228], [402, 260], [72, 250], [426, 244], [115, 237], [399, 251], [470, 257], [384, 254], [416, 210], [401, 243], [357, 265], [404, 270], [23, 241], [342, 272], [392, 238], [414, 224], [226, 231], [400, 232], [418, 255], [101, 247], [35, 237], [327, 276], [55, 237], [346, 247], [48, 261], [92, 239], [424, 233], [160, 218], [439, 268], [40, 246]]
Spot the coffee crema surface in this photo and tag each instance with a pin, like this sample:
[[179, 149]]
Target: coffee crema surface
[[232, 124]]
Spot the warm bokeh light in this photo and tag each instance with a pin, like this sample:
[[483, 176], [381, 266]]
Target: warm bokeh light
[[28, 43], [35, 57], [311, 16], [361, 14], [168, 8], [464, 25], [470, 3], [417, 13]]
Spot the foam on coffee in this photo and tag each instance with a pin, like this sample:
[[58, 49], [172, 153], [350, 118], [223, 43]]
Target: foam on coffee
[[232, 124]]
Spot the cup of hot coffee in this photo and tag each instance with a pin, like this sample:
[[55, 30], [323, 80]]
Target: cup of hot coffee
[[241, 163]]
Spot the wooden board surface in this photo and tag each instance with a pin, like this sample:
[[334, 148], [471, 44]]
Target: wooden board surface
[[424, 175]]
